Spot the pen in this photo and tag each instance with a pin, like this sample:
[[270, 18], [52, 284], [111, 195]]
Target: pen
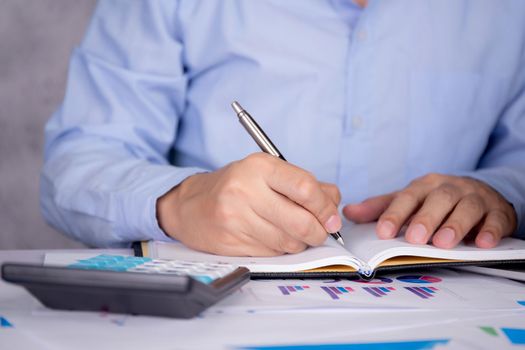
[[265, 144]]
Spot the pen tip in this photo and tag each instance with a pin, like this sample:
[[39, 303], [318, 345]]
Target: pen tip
[[340, 240], [237, 107]]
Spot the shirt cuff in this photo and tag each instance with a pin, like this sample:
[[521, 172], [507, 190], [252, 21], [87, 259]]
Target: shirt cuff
[[140, 209], [509, 183]]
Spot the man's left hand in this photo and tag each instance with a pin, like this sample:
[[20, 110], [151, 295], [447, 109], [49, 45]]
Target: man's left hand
[[441, 208]]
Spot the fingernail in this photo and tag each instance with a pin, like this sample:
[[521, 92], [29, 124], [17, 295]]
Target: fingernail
[[417, 233], [333, 224], [445, 237], [386, 230], [486, 238]]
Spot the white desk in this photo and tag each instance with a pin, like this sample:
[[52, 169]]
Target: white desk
[[35, 327]]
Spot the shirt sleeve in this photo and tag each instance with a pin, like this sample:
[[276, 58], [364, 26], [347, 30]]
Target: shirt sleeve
[[503, 163], [105, 162]]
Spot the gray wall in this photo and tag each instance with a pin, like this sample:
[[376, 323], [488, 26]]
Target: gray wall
[[36, 39]]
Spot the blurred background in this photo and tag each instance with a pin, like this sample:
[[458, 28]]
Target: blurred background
[[36, 39]]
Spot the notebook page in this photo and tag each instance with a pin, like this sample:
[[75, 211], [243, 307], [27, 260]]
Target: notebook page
[[331, 253], [363, 242]]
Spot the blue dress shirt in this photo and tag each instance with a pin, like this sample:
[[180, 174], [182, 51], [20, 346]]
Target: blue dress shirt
[[366, 99]]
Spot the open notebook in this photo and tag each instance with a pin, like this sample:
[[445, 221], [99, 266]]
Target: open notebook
[[362, 254]]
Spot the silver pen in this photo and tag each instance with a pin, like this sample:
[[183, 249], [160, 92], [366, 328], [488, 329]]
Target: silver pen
[[265, 144]]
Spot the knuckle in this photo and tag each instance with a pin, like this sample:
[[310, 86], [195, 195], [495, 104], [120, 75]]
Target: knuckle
[[432, 178], [447, 192], [407, 196], [260, 161], [473, 203], [336, 193], [222, 213], [500, 217], [306, 187]]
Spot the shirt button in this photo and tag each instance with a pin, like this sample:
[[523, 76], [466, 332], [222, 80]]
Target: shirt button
[[357, 122]]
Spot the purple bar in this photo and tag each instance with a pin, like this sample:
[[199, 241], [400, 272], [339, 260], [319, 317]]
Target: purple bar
[[378, 291], [284, 290], [369, 290], [330, 293], [423, 291], [291, 289], [416, 292], [335, 290]]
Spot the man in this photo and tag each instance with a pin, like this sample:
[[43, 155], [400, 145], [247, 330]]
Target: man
[[413, 109]]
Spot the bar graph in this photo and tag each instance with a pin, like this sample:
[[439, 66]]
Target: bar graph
[[288, 290], [423, 292], [378, 292], [336, 292]]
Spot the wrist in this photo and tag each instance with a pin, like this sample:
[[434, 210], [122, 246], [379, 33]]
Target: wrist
[[167, 211]]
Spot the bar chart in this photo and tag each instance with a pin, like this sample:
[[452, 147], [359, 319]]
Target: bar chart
[[378, 292], [336, 292], [423, 292], [288, 290]]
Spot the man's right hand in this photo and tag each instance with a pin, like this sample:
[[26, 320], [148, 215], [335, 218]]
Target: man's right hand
[[258, 206]]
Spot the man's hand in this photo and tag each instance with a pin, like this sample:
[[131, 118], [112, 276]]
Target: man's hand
[[442, 208], [258, 206]]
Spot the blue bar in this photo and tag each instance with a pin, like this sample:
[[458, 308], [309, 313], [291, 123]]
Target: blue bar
[[298, 287], [393, 345], [342, 289], [516, 335], [384, 289], [428, 289]]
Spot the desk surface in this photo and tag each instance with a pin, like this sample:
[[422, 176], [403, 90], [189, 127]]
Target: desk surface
[[253, 318]]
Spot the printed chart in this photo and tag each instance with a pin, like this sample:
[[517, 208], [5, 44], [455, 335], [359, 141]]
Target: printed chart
[[335, 292], [378, 292], [287, 290], [515, 336]]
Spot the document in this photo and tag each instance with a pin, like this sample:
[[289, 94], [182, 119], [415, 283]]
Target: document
[[363, 253]]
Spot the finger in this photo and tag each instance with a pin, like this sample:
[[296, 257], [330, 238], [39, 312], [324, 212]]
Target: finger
[[467, 213], [368, 210], [436, 207], [273, 237], [400, 209], [496, 226], [302, 188], [332, 191], [294, 220]]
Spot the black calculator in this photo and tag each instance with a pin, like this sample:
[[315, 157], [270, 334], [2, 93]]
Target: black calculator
[[128, 284]]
